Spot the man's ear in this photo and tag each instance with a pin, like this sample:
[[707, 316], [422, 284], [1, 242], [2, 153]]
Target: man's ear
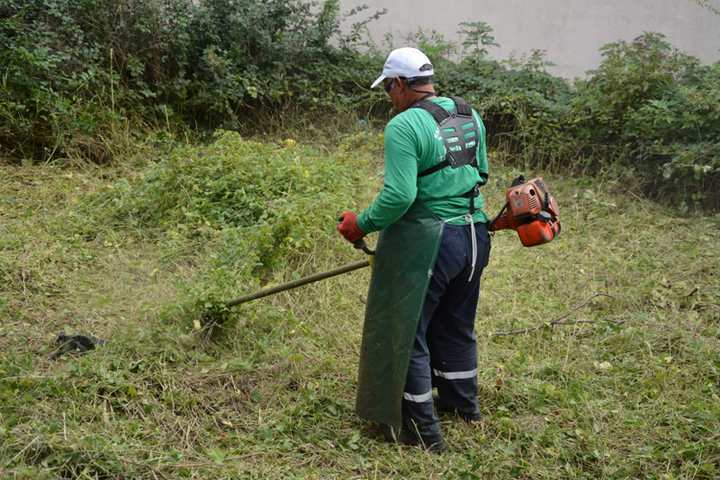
[[402, 83]]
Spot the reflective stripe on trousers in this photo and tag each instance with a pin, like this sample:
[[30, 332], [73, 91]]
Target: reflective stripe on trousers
[[422, 398], [456, 375]]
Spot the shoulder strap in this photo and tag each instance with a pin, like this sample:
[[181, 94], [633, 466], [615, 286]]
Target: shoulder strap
[[434, 168], [462, 107], [438, 113]]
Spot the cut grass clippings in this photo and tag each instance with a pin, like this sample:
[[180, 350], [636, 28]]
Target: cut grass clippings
[[626, 386]]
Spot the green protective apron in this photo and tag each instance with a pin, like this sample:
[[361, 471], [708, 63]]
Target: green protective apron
[[405, 255]]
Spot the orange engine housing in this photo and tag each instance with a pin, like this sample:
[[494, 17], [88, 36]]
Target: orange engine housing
[[531, 211]]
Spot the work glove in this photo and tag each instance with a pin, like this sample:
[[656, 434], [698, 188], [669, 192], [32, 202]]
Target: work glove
[[348, 227]]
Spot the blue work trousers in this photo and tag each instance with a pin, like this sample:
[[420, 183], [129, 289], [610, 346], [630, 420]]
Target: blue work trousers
[[445, 350]]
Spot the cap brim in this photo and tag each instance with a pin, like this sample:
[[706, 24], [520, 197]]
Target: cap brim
[[377, 82]]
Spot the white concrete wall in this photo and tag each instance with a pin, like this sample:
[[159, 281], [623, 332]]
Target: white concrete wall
[[571, 31]]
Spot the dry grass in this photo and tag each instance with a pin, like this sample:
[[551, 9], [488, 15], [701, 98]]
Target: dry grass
[[628, 388]]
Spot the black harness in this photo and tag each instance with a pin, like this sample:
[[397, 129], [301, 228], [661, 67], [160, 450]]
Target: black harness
[[461, 136]]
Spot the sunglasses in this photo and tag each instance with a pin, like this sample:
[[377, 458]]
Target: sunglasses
[[388, 84]]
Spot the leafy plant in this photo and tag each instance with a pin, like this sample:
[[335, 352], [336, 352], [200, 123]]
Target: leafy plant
[[476, 38], [80, 77]]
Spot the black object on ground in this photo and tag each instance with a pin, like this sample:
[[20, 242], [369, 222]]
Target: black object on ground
[[75, 344]]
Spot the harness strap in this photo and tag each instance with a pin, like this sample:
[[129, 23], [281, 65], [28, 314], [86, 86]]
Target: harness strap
[[502, 210], [473, 241], [434, 168], [463, 108], [472, 194], [444, 164], [438, 113]]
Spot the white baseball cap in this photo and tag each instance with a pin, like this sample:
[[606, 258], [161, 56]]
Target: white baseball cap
[[405, 62]]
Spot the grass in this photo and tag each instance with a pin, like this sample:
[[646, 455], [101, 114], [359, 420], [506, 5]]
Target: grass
[[628, 387]]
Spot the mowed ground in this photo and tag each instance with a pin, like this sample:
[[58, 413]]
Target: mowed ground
[[599, 353]]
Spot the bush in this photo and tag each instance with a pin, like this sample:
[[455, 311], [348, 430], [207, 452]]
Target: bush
[[75, 72], [75, 69], [252, 207], [71, 69], [658, 111], [281, 197]]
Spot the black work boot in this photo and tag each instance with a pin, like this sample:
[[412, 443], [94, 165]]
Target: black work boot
[[420, 426], [470, 416], [431, 441]]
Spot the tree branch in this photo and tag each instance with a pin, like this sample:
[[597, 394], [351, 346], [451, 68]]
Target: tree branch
[[561, 320]]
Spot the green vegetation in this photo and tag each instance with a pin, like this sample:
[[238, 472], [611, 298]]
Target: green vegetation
[[131, 209], [85, 78], [75, 72], [629, 388]]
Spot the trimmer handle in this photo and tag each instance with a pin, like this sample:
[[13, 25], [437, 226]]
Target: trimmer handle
[[361, 245]]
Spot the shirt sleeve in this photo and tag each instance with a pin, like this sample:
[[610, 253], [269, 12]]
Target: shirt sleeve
[[400, 180]]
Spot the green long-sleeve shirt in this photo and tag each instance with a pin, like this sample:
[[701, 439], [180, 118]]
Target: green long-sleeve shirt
[[413, 144]]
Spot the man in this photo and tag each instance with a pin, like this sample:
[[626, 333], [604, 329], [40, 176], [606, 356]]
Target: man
[[433, 246]]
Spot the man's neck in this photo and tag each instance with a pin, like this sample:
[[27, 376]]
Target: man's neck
[[418, 95], [421, 94]]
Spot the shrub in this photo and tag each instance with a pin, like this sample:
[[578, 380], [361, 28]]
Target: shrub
[[658, 111], [251, 207], [281, 192], [71, 68], [648, 107], [75, 72]]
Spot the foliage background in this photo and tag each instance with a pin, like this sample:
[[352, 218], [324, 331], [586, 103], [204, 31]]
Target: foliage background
[[85, 77]]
